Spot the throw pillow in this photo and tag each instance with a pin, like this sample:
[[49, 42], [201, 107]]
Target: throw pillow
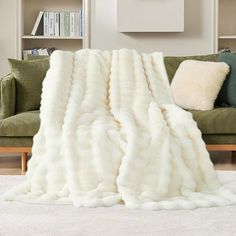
[[172, 63], [29, 76], [196, 84], [227, 95]]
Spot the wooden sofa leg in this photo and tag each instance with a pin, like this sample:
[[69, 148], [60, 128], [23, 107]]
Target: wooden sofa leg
[[24, 160]]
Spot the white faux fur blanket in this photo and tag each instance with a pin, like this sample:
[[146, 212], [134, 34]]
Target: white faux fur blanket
[[110, 133]]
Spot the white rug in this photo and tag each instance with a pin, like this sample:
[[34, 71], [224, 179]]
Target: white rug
[[18, 218]]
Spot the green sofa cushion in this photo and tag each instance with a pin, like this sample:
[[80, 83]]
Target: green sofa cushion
[[219, 138], [217, 127], [227, 93], [23, 124], [172, 63], [16, 141], [29, 76], [217, 121]]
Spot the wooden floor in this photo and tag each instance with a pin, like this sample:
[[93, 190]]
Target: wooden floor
[[11, 164]]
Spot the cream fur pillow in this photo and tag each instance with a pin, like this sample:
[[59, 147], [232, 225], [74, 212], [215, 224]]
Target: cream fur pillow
[[196, 84]]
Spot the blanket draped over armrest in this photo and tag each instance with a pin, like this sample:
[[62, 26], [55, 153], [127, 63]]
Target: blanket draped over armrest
[[110, 133]]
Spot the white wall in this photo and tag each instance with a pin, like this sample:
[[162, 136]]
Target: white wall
[[198, 37], [163, 16], [8, 33]]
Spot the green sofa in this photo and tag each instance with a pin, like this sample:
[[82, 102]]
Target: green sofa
[[218, 126]]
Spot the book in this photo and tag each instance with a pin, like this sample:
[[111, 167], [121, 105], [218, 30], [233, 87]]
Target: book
[[37, 22], [25, 55], [34, 51], [81, 23], [67, 24], [45, 24], [51, 23], [62, 30], [72, 24], [43, 52], [57, 24], [77, 24]]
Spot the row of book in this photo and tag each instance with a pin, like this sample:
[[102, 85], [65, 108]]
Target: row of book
[[64, 24], [37, 52]]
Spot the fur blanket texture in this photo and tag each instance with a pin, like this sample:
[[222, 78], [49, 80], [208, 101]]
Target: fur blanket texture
[[111, 134]]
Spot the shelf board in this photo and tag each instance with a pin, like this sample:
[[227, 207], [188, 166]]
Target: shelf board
[[227, 37], [50, 37]]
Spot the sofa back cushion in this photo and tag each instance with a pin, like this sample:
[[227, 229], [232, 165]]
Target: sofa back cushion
[[227, 95], [29, 76], [172, 63]]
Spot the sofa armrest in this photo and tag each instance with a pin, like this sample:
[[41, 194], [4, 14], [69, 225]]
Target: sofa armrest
[[7, 96]]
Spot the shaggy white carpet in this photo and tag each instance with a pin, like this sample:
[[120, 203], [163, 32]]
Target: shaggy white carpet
[[24, 219]]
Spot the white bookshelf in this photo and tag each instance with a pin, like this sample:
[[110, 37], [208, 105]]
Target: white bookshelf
[[27, 13], [226, 24], [49, 37], [227, 37]]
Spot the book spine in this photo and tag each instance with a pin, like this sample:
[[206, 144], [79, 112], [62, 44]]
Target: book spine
[[37, 22], [25, 54], [40, 51], [62, 30], [45, 24], [57, 23], [81, 23], [67, 24], [35, 51], [77, 23], [44, 52], [51, 24], [72, 24]]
